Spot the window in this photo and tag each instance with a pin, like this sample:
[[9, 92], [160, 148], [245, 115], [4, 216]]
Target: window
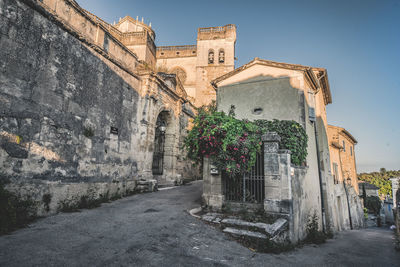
[[211, 57], [335, 173], [351, 150], [221, 56], [344, 146]]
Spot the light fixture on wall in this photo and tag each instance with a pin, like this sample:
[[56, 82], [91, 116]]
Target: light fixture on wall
[[162, 129], [161, 125]]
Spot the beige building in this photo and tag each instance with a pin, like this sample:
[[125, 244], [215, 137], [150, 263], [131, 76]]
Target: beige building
[[263, 89], [196, 65], [343, 157]]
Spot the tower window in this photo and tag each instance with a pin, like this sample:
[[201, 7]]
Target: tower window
[[335, 173], [351, 151], [221, 56], [344, 146], [211, 57]]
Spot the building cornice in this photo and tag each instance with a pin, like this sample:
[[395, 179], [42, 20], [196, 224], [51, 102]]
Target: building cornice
[[308, 73], [344, 133]]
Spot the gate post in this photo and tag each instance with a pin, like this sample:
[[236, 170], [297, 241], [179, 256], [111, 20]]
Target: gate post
[[213, 195], [277, 178]]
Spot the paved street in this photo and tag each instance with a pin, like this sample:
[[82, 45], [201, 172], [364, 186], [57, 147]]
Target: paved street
[[155, 229]]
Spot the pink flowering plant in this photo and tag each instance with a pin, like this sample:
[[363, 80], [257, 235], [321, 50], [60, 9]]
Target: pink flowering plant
[[233, 144]]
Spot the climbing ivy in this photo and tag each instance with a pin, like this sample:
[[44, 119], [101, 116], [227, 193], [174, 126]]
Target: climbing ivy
[[293, 137], [233, 144]]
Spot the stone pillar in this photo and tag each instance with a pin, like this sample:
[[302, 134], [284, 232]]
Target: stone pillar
[[395, 187], [277, 176], [213, 195], [396, 202]]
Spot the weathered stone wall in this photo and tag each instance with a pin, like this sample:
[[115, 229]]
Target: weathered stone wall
[[58, 103], [75, 120], [266, 92]]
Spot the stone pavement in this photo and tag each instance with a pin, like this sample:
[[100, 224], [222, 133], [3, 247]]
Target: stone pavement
[[154, 229]]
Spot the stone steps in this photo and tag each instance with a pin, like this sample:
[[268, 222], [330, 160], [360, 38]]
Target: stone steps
[[239, 227], [146, 185], [241, 232]]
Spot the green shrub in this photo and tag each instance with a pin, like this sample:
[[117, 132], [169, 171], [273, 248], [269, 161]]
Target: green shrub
[[373, 204], [46, 201], [88, 132], [314, 235], [14, 211], [233, 144], [293, 137]]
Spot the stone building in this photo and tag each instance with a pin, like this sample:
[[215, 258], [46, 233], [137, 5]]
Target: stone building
[[343, 157], [263, 89], [344, 174], [197, 65], [84, 113]]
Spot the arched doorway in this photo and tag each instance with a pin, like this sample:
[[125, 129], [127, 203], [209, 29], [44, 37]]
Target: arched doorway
[[159, 143]]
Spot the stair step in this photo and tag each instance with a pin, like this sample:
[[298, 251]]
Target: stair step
[[238, 222], [277, 227], [240, 232]]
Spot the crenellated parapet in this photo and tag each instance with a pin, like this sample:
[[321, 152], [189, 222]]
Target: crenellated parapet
[[129, 31], [222, 32]]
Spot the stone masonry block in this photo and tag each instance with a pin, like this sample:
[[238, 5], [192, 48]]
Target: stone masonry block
[[271, 137], [272, 192], [271, 164]]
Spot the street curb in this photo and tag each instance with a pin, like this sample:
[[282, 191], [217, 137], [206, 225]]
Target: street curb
[[195, 210]]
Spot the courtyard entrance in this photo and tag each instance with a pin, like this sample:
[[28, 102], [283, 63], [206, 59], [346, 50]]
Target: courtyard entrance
[[249, 187], [159, 144]]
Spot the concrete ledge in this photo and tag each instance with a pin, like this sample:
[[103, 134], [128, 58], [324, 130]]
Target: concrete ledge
[[239, 232]]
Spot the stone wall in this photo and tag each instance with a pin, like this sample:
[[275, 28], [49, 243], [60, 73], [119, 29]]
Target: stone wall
[[76, 118]]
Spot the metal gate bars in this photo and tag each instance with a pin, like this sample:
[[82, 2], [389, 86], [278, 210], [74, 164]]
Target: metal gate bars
[[248, 187]]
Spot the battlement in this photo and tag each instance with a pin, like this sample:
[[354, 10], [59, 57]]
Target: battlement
[[176, 51], [220, 32], [145, 36]]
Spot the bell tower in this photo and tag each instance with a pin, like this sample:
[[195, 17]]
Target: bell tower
[[215, 57]]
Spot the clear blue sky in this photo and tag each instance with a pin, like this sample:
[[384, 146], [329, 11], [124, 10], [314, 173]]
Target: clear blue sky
[[357, 41]]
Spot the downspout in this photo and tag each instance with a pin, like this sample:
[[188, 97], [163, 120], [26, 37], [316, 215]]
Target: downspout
[[345, 190], [320, 180]]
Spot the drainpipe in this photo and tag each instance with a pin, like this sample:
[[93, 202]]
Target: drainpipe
[[320, 180], [347, 194]]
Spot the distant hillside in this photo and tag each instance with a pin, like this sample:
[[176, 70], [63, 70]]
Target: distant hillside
[[380, 179]]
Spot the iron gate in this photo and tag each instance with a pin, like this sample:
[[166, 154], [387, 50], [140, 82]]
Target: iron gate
[[158, 156], [248, 187]]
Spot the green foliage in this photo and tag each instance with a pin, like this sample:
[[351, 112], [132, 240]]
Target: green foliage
[[314, 235], [293, 137], [46, 201], [373, 204], [88, 132], [380, 179], [233, 144], [14, 211], [365, 213]]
